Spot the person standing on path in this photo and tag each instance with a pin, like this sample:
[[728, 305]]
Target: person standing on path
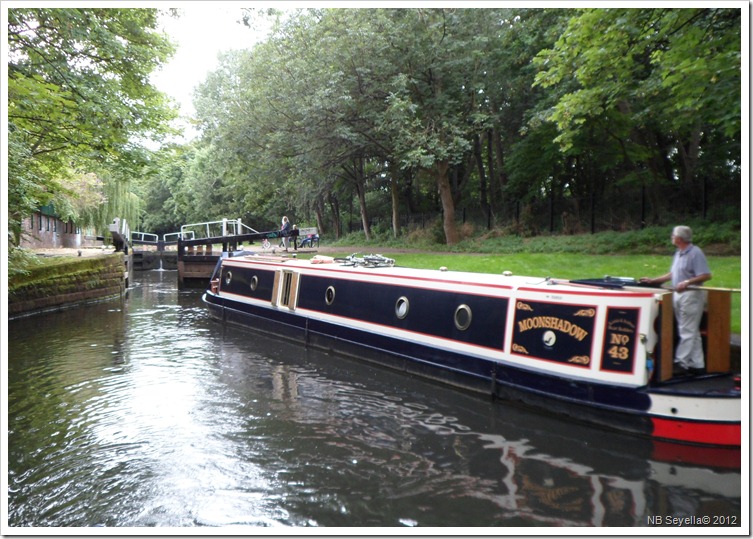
[[285, 232], [689, 268]]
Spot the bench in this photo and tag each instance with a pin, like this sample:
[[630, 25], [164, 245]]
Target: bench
[[310, 240], [310, 237]]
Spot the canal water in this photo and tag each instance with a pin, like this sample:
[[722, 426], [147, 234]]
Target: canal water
[[144, 412]]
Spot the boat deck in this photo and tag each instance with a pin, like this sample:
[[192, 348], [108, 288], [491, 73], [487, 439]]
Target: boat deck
[[709, 385]]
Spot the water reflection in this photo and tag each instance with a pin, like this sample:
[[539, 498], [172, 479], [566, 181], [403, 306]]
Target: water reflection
[[149, 414], [434, 458]]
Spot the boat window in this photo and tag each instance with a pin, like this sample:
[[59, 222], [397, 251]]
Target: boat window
[[228, 277], [463, 317], [287, 281], [401, 307], [329, 295], [254, 283]]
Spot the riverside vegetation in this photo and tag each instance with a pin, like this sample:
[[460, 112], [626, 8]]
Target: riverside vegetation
[[534, 119]]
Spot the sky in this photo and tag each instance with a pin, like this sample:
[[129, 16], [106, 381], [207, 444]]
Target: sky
[[201, 33]]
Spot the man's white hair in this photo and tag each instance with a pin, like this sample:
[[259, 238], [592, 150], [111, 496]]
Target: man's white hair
[[683, 232]]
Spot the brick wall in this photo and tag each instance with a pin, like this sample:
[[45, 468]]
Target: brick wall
[[47, 231], [72, 282]]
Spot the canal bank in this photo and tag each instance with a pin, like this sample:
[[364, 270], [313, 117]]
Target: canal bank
[[68, 281]]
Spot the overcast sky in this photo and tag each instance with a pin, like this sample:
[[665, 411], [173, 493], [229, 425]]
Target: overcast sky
[[203, 30]]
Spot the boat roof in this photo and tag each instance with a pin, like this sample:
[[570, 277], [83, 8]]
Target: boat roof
[[379, 266]]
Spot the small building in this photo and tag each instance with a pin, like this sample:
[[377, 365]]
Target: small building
[[45, 230]]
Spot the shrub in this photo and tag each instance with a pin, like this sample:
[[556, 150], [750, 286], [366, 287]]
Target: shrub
[[720, 238]]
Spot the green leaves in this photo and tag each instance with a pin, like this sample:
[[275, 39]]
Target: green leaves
[[668, 64], [79, 97], [647, 95], [574, 109]]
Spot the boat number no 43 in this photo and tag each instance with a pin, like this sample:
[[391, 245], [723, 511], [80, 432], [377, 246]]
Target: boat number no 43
[[619, 348]]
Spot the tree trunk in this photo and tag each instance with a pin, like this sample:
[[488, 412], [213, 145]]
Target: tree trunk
[[319, 211], [499, 154], [688, 153], [410, 183], [395, 195], [483, 194], [334, 206], [493, 198], [361, 193], [448, 206]]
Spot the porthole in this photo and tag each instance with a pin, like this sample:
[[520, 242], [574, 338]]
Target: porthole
[[254, 283], [463, 317], [329, 295], [228, 277], [401, 307]]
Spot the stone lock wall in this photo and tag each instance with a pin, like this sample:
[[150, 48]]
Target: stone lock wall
[[75, 281]]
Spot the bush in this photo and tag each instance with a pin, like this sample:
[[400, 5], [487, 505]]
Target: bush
[[20, 262], [721, 239]]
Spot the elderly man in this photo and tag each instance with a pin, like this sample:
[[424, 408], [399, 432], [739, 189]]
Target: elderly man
[[689, 268]]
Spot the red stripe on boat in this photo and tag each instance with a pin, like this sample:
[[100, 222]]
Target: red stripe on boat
[[718, 457], [697, 432]]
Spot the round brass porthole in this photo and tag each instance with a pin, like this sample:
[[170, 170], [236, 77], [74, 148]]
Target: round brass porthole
[[254, 283], [402, 305], [228, 277], [463, 317], [329, 295]]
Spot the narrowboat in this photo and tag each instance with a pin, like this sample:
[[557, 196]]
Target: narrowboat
[[596, 350]]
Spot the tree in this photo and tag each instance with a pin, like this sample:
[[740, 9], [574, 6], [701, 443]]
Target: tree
[[79, 97], [655, 82], [445, 108]]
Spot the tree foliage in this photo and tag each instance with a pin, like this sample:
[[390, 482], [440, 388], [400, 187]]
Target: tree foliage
[[506, 111], [594, 118], [80, 103], [658, 85]]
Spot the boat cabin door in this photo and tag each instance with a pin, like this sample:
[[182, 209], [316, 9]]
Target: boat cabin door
[[285, 289]]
